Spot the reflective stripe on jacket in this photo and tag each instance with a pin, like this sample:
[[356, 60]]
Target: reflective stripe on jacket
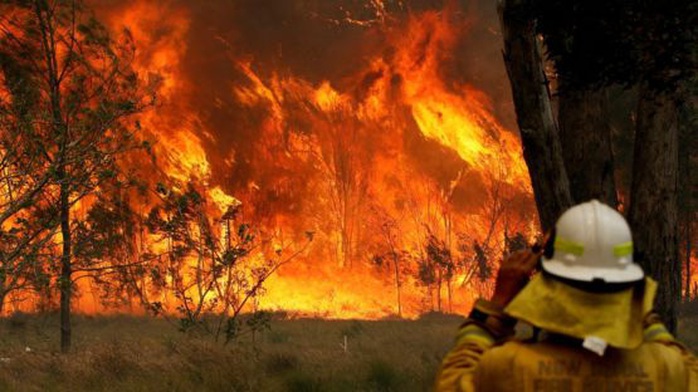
[[476, 363]]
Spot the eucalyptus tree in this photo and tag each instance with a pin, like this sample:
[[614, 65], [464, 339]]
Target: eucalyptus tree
[[649, 47], [70, 97]]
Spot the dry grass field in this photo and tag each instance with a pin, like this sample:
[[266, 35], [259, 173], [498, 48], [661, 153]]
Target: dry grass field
[[123, 353]]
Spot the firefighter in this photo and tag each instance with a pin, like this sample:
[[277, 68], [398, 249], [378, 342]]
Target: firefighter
[[590, 308]]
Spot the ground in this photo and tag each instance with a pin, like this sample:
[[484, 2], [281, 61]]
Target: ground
[[125, 353]]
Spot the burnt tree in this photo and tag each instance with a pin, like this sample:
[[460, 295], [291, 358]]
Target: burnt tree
[[539, 134]]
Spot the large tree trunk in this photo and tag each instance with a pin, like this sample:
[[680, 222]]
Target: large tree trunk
[[47, 19], [688, 191], [65, 279], [439, 281], [539, 134], [585, 136], [688, 261], [396, 264], [653, 199]]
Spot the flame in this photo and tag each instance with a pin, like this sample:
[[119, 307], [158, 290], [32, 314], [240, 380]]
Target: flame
[[349, 158], [463, 120], [178, 136], [459, 119]]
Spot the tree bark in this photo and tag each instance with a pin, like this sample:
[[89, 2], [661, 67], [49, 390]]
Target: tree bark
[[438, 289], [46, 19], [653, 199], [585, 137], [65, 279], [396, 264], [688, 189], [539, 133], [688, 260]]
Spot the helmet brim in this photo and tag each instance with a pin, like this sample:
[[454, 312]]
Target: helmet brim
[[630, 273]]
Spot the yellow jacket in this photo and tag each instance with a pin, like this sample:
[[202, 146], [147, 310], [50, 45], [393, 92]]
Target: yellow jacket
[[478, 363]]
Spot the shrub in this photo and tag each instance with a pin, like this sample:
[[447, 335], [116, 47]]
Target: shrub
[[383, 377], [301, 382], [281, 363]]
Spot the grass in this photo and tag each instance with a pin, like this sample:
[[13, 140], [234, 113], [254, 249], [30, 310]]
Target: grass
[[123, 353], [688, 324]]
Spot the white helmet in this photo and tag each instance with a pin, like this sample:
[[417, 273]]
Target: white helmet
[[592, 242]]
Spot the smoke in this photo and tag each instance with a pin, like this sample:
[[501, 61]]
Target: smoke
[[314, 41]]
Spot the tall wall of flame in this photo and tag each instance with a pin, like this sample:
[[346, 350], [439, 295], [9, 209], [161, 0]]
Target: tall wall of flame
[[373, 125]]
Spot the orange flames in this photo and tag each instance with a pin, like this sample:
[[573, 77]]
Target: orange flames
[[372, 157]]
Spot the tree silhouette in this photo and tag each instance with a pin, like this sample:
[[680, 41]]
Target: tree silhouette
[[77, 93], [649, 46]]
